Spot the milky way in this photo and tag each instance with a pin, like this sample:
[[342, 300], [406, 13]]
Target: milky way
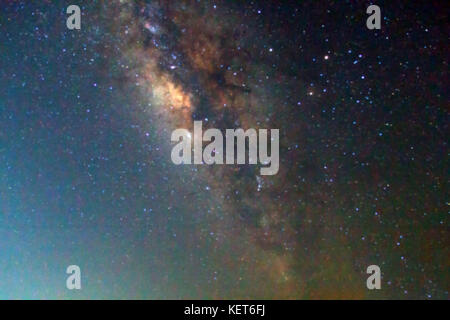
[[86, 176]]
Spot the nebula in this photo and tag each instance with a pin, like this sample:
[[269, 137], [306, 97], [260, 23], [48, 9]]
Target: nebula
[[85, 144]]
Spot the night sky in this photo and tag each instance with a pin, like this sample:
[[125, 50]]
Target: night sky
[[86, 176]]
